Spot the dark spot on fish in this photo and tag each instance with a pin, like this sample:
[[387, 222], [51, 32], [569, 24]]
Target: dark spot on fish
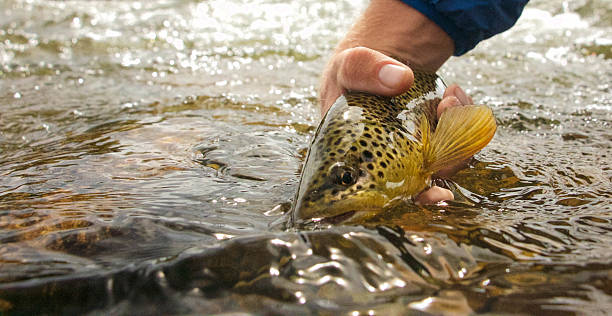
[[337, 142], [359, 187], [375, 144], [341, 151], [353, 148], [370, 166], [363, 143], [367, 135], [378, 153], [372, 186], [383, 164], [381, 174], [367, 155], [377, 130]]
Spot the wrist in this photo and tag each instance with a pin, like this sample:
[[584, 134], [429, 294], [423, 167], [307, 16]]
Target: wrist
[[400, 31]]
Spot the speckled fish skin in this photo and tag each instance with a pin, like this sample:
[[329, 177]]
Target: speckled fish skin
[[368, 151]]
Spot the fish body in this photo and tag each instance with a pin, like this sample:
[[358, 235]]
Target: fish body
[[371, 150]]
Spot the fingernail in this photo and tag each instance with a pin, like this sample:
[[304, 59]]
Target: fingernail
[[391, 75], [460, 94]]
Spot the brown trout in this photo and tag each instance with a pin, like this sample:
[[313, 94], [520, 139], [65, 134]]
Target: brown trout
[[372, 150]]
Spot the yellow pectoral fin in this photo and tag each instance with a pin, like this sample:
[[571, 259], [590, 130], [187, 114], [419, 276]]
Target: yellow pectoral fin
[[462, 131]]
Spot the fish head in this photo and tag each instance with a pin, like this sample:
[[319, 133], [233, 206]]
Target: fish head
[[341, 181], [337, 192]]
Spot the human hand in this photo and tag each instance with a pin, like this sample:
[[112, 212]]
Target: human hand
[[387, 28], [361, 62], [363, 69]]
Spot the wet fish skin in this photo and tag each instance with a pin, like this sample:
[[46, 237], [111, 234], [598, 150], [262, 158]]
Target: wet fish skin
[[372, 150]]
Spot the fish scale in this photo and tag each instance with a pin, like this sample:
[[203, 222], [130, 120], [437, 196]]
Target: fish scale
[[369, 150]]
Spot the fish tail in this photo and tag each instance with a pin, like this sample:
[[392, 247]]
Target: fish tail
[[461, 132]]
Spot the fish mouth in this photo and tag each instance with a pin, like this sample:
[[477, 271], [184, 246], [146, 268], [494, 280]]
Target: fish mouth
[[338, 218]]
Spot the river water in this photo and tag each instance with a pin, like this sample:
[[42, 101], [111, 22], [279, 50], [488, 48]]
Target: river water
[[149, 149]]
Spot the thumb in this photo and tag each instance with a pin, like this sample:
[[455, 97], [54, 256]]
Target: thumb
[[363, 69], [367, 70]]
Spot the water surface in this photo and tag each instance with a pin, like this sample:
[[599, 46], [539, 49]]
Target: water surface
[[147, 147]]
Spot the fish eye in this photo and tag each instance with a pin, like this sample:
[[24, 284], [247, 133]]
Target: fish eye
[[343, 175], [347, 178]]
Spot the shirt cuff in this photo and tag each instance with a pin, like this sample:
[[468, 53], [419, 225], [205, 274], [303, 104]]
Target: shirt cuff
[[428, 9]]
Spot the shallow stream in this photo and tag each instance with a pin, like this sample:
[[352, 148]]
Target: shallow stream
[[146, 147]]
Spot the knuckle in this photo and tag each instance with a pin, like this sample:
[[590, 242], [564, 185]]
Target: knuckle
[[355, 64]]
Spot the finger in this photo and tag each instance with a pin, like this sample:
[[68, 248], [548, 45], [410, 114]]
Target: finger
[[456, 91], [329, 91], [434, 195], [453, 96], [446, 103], [364, 69]]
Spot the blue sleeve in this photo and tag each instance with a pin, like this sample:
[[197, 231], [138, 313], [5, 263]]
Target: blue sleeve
[[468, 22]]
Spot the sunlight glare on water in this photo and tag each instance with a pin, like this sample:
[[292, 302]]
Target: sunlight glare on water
[[148, 151]]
